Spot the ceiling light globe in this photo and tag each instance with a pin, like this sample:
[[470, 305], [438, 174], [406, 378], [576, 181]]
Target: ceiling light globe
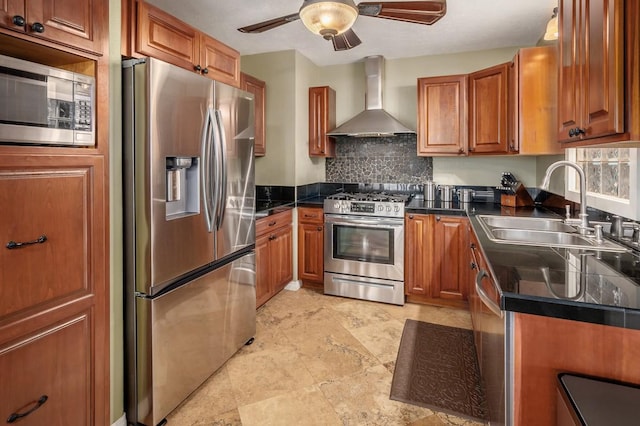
[[328, 18]]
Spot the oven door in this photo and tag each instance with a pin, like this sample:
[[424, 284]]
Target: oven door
[[364, 246]]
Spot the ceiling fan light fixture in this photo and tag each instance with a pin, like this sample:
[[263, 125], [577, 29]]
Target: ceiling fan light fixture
[[328, 18], [551, 32]]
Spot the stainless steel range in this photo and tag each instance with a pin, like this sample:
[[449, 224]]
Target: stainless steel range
[[364, 246]]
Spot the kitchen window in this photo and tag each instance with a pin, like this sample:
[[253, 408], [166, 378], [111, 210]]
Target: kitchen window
[[612, 176]]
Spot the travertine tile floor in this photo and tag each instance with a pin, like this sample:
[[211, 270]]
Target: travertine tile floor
[[317, 360]]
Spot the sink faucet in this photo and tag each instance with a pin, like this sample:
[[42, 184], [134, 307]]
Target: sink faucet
[[584, 218]]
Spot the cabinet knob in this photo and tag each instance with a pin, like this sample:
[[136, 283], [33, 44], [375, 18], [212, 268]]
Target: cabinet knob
[[205, 71], [576, 131], [473, 265], [319, 228], [410, 216], [197, 68], [461, 151], [37, 27], [18, 20], [438, 218]]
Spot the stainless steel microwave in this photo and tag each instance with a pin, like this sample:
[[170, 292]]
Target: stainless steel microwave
[[45, 105]]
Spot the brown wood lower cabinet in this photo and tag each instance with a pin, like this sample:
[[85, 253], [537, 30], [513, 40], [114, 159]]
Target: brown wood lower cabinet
[[54, 328], [436, 259], [311, 246], [547, 346], [274, 255]]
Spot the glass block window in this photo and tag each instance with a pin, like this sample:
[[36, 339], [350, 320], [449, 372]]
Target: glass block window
[[607, 170], [612, 179]]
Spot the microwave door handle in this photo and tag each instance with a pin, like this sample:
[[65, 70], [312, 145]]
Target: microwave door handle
[[222, 162], [205, 174]]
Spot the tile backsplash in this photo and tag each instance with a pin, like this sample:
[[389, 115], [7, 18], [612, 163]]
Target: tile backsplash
[[370, 160]]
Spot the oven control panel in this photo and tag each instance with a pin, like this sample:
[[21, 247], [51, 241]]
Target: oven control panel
[[365, 208]]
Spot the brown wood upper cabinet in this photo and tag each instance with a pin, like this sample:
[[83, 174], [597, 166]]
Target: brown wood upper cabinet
[[442, 115], [488, 111], [162, 36], [73, 23], [533, 93], [592, 92], [322, 118], [258, 89]]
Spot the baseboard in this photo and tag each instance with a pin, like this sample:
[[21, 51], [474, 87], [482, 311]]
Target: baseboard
[[293, 286], [122, 421]]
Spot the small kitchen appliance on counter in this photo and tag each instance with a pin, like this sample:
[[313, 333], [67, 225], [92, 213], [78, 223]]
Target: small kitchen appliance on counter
[[513, 192]]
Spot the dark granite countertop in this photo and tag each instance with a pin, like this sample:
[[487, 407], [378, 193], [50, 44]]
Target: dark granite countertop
[[599, 287], [267, 208], [583, 285]]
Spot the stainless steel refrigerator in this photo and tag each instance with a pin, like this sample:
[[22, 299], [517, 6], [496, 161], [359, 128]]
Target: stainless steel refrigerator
[[189, 218]]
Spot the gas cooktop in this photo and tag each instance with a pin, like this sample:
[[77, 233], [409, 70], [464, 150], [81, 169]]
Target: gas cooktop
[[381, 204], [371, 196]]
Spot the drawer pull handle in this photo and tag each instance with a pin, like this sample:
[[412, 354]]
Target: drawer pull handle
[[16, 416], [272, 223], [13, 245]]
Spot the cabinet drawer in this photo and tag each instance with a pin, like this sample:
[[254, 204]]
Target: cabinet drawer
[[54, 364], [275, 221], [46, 232], [310, 215]]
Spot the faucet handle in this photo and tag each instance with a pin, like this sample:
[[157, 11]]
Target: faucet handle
[[567, 209], [598, 233]]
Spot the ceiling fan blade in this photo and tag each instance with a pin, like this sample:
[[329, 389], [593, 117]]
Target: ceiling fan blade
[[417, 12], [270, 24], [345, 41]]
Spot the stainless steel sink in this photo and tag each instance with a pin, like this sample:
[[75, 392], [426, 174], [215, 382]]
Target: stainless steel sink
[[541, 232], [533, 223]]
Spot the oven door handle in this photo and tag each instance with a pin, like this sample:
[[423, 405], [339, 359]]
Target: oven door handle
[[359, 220]]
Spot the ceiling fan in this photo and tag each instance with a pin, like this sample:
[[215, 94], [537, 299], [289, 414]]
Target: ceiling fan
[[332, 19]]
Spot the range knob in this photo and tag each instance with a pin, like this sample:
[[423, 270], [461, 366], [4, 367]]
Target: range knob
[[388, 208], [396, 208], [336, 205], [380, 207]]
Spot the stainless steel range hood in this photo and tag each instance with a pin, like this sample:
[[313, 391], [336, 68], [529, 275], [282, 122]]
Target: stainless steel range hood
[[373, 121]]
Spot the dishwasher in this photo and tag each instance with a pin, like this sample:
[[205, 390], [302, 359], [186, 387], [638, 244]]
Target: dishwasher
[[492, 337]]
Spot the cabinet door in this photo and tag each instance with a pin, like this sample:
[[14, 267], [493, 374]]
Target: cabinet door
[[74, 23], [219, 62], [257, 88], [569, 75], [603, 80], [310, 252], [10, 9], [418, 249], [322, 118], [53, 366], [263, 270], [451, 258], [281, 251], [442, 115], [488, 111], [162, 36]]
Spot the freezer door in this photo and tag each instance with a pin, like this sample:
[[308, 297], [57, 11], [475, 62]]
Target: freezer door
[[171, 150], [184, 336], [235, 214]]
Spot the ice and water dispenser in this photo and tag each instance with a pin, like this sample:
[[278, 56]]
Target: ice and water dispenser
[[183, 186]]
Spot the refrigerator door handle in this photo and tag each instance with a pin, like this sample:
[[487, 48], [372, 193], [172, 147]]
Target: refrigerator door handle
[[216, 168], [205, 174], [222, 163]]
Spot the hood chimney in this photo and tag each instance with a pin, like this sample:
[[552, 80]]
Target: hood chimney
[[373, 121]]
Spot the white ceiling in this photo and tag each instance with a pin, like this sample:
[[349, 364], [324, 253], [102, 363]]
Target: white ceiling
[[467, 26]]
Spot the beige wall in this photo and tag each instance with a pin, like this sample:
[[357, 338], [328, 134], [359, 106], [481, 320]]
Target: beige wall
[[278, 70], [116, 350], [287, 161]]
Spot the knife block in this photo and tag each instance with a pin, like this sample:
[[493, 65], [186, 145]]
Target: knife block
[[519, 198]]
